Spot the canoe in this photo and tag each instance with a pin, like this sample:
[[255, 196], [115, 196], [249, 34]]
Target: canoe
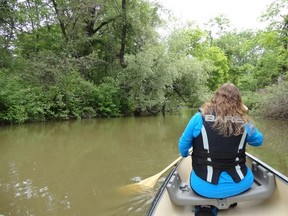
[[267, 196]]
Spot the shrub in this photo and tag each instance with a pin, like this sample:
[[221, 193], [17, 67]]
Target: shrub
[[107, 99], [72, 97], [13, 98], [274, 101], [251, 99]]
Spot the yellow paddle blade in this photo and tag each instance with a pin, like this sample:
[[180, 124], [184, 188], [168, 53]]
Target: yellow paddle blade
[[146, 184], [151, 181], [133, 189], [142, 186]]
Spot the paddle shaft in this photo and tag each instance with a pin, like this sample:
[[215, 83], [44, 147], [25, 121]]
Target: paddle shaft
[[170, 165], [151, 181]]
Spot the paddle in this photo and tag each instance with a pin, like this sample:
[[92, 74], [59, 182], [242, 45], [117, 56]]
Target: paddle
[[147, 183]]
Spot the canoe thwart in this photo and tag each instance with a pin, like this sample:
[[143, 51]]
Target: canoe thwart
[[263, 187]]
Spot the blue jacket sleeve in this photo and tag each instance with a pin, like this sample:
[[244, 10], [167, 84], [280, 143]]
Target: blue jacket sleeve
[[254, 137], [192, 129]]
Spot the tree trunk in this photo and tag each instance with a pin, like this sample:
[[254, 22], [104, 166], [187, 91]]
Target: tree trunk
[[123, 34], [62, 25]]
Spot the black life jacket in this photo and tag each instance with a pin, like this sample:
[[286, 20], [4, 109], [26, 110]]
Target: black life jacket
[[213, 153]]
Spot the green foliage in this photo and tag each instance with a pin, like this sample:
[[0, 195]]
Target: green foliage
[[18, 101], [267, 70], [147, 79], [107, 99], [194, 43], [72, 60], [188, 42], [92, 68], [242, 54], [43, 69], [247, 81], [63, 94], [274, 100], [40, 40], [11, 101], [273, 61], [5, 58], [142, 21], [219, 73], [71, 98], [251, 99], [191, 80], [218, 26]]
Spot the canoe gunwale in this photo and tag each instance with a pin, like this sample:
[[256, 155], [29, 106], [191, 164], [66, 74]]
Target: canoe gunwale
[[272, 170], [160, 191]]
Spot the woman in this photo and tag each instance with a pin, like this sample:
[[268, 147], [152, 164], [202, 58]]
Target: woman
[[218, 134]]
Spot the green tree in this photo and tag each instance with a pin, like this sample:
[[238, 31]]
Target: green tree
[[218, 27], [146, 79], [275, 41], [219, 74], [194, 43]]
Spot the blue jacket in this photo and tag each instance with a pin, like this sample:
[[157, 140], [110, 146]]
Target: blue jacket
[[226, 186]]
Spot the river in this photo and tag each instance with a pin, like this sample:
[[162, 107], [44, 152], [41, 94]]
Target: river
[[74, 167]]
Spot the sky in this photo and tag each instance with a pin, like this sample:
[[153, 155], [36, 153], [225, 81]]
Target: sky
[[243, 14]]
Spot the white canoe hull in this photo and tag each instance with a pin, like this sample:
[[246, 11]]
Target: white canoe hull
[[276, 204]]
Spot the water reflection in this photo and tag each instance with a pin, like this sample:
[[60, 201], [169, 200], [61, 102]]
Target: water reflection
[[21, 193], [75, 167]]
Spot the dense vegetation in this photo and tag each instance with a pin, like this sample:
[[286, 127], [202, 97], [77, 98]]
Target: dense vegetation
[[83, 59]]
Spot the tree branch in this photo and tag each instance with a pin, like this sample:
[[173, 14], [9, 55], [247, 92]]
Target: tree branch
[[179, 93], [103, 24], [62, 25]]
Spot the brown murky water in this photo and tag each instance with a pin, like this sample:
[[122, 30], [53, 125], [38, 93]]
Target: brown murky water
[[73, 168]]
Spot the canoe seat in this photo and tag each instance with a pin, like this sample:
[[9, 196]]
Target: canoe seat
[[263, 187]]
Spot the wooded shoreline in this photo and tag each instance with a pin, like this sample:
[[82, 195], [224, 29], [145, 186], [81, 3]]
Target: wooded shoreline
[[77, 60]]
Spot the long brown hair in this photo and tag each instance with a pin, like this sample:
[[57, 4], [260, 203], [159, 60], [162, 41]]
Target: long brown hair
[[227, 104]]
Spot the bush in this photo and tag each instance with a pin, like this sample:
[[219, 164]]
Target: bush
[[107, 99], [15, 97], [71, 98], [274, 101], [251, 99]]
